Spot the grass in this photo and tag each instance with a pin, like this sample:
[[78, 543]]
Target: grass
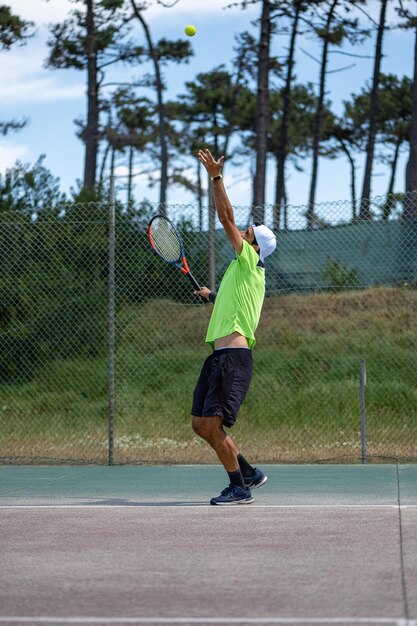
[[303, 403]]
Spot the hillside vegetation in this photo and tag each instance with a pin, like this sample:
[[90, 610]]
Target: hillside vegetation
[[303, 403]]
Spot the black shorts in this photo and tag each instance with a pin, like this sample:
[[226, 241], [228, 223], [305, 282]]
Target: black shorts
[[223, 384]]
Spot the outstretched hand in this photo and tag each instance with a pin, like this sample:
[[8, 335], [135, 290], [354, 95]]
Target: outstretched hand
[[212, 166]]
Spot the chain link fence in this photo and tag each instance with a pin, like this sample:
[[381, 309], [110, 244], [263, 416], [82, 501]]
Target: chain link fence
[[101, 343]]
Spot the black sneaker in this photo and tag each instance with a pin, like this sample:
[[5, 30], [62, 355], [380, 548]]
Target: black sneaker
[[233, 495], [257, 479]]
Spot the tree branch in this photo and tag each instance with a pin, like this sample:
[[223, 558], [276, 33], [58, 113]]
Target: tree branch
[[167, 6], [310, 55], [126, 84], [350, 54], [342, 69], [371, 19]]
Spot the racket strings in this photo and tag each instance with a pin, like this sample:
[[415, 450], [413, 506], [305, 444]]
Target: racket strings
[[165, 240]]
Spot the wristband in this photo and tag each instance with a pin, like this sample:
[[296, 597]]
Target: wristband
[[212, 296], [218, 177]]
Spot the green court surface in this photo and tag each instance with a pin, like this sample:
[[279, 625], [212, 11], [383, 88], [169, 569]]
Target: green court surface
[[195, 485], [321, 544]]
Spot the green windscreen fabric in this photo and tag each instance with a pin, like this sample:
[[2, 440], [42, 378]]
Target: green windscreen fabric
[[348, 256]]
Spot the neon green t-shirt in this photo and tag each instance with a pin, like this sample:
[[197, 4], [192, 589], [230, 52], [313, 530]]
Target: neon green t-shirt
[[239, 301]]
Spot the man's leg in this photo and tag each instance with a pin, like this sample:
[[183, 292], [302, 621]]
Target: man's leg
[[211, 430], [240, 472]]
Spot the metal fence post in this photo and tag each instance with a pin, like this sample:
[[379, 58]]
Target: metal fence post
[[111, 319], [362, 384]]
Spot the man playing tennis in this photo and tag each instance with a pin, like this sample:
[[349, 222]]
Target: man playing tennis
[[226, 374]]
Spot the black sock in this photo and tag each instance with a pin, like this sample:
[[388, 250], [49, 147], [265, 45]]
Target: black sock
[[236, 479], [245, 467]]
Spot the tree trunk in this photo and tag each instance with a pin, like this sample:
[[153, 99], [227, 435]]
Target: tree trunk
[[394, 165], [410, 209], [91, 131], [262, 114], [282, 150], [161, 113], [318, 119], [285, 209], [387, 207], [352, 178], [130, 178], [102, 170], [112, 170], [365, 214]]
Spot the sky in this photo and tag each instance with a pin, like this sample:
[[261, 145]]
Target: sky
[[53, 99]]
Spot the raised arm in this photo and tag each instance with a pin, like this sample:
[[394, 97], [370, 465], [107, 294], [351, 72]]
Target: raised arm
[[223, 207]]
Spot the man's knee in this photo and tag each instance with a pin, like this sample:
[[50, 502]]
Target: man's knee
[[207, 427]]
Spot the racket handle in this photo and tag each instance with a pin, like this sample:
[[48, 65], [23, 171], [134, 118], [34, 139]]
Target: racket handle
[[196, 285], [193, 281]]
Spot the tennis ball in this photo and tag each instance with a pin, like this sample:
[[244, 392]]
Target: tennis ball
[[190, 30]]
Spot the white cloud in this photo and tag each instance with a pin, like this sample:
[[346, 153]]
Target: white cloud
[[195, 8], [35, 90], [10, 153], [121, 171], [23, 79], [41, 11], [15, 66]]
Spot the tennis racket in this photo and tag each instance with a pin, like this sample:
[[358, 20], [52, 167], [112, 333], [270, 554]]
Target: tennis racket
[[167, 243]]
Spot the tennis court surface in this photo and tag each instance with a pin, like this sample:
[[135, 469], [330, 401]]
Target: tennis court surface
[[321, 544]]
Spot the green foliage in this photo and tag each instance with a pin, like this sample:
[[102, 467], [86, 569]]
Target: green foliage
[[53, 274], [394, 111], [339, 276], [307, 356], [18, 352], [132, 122], [301, 120], [12, 125], [210, 95], [54, 280], [176, 51], [29, 188], [87, 196], [12, 28], [68, 40], [112, 5]]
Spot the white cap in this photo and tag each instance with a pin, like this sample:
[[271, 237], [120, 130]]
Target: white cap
[[266, 240]]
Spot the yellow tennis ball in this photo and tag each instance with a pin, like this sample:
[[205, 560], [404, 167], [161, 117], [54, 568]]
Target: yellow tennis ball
[[190, 30]]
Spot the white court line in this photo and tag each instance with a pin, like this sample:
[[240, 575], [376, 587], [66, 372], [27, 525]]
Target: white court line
[[209, 620], [205, 506]]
